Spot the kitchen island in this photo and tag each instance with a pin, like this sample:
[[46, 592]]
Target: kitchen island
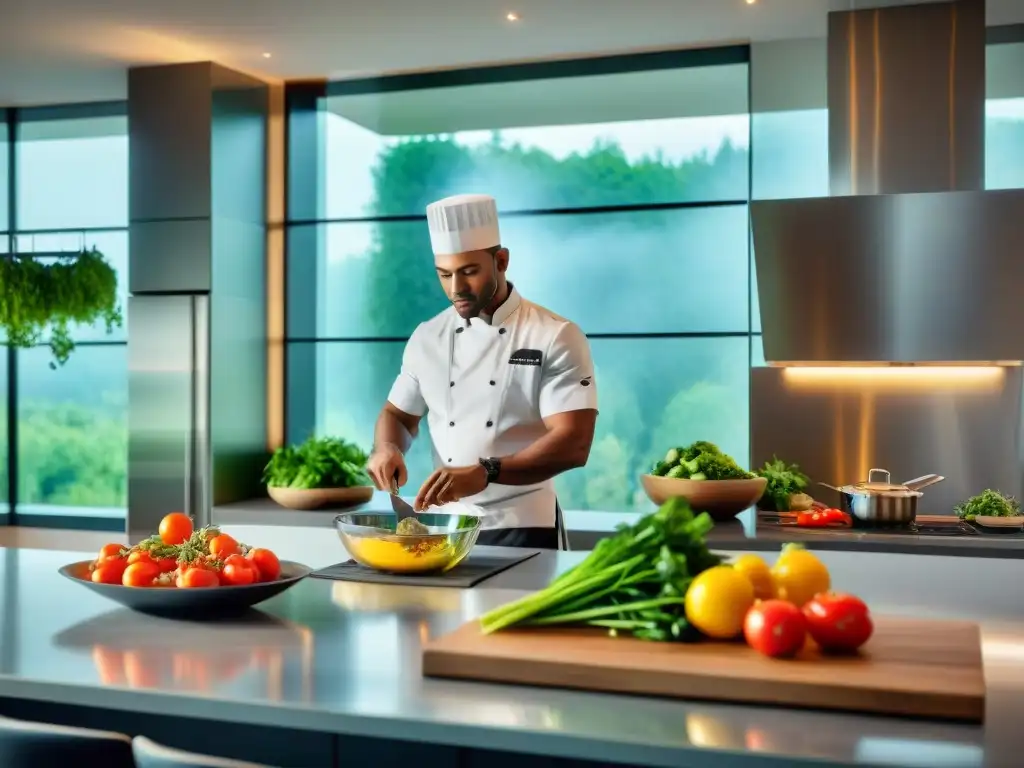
[[746, 532], [329, 674]]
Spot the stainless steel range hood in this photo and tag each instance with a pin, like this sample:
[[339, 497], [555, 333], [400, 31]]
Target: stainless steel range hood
[[908, 260]]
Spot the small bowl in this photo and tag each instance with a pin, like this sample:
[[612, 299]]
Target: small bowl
[[371, 540], [317, 498], [721, 499], [992, 521]]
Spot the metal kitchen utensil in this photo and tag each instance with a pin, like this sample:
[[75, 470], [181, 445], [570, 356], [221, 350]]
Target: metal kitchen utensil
[[883, 503], [402, 508]]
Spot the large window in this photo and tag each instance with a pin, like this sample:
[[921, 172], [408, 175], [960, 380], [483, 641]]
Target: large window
[[66, 188], [624, 199]]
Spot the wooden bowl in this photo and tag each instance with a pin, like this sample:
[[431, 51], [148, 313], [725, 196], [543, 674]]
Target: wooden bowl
[[721, 499], [318, 498]]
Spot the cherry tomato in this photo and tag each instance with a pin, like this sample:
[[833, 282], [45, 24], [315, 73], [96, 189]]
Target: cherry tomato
[[775, 628], [175, 528], [223, 546], [267, 564], [163, 563], [110, 551], [110, 571], [196, 577], [238, 572], [838, 622], [140, 574]]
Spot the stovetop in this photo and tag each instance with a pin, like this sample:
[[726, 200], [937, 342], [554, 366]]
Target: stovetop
[[930, 527]]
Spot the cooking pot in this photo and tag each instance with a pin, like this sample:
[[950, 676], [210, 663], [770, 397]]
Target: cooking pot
[[883, 503]]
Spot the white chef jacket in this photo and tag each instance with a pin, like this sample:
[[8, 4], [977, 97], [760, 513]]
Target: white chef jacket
[[486, 387]]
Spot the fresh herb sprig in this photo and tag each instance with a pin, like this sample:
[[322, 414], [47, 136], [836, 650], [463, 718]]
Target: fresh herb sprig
[[633, 582], [988, 503], [784, 481], [326, 462], [195, 548]]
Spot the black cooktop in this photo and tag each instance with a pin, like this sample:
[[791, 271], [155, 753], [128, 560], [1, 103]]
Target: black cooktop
[[954, 527]]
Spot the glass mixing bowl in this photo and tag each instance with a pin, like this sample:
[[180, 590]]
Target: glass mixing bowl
[[371, 540]]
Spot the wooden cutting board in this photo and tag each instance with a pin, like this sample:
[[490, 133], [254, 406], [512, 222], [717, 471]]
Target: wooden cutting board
[[910, 667]]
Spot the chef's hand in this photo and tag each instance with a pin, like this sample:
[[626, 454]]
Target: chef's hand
[[385, 464], [451, 484]]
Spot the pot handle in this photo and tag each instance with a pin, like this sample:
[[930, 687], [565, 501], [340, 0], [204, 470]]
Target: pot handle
[[837, 490], [873, 472], [923, 482]]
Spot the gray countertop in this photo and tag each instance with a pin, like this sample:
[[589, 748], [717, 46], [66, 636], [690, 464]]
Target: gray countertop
[[345, 658], [745, 532]]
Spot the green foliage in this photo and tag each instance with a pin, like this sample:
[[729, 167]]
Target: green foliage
[[988, 503], [74, 455], [325, 462], [38, 295]]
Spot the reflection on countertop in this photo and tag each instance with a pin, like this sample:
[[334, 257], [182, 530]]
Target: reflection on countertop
[[340, 657]]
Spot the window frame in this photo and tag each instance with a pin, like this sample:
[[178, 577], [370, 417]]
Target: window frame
[[306, 158], [31, 515]]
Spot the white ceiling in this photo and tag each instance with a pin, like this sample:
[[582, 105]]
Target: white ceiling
[[56, 51]]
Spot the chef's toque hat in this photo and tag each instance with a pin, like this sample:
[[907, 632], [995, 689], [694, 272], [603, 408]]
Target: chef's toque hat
[[463, 223]]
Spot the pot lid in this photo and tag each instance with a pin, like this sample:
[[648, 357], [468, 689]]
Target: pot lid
[[878, 486]]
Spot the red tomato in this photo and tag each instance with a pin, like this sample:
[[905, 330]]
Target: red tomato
[[238, 572], [175, 528], [838, 622], [267, 564], [140, 574], [196, 577], [223, 546], [111, 551], [775, 628], [110, 571]]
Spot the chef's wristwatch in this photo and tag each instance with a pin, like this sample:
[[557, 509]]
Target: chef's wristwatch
[[493, 468]]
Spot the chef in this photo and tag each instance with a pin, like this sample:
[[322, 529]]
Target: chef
[[507, 387]]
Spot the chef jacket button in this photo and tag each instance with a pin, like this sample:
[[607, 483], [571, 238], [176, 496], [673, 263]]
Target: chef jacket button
[[493, 382], [459, 329], [451, 383], [501, 331], [490, 423], [451, 423]]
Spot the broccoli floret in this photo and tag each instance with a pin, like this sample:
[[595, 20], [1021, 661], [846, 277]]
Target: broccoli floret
[[660, 468], [714, 466], [672, 457], [678, 470], [694, 450]]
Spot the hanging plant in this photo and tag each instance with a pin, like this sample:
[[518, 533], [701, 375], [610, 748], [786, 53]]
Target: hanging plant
[[36, 297]]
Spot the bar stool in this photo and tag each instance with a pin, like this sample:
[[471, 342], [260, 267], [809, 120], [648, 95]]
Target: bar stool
[[26, 744], [149, 754]]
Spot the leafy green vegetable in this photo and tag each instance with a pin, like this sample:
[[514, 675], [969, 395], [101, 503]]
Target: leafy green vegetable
[[988, 503], [633, 582], [326, 462], [784, 480], [700, 461]]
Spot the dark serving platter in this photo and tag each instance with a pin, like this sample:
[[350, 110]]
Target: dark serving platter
[[172, 602]]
